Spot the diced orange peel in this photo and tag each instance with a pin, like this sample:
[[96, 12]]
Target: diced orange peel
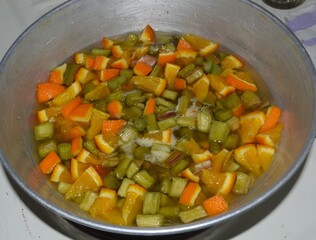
[[201, 88], [106, 201], [109, 73], [70, 106], [114, 108], [121, 63], [117, 51], [85, 156], [184, 44], [220, 86], [231, 62], [76, 131], [270, 137], [187, 173], [201, 157], [272, 118], [240, 84], [88, 180], [148, 35], [190, 194], [70, 93], [61, 174], [142, 69], [84, 75], [215, 205], [77, 168], [48, 90], [102, 144], [100, 62], [57, 74], [168, 57], [228, 184], [250, 124], [171, 72], [210, 48], [48, 113], [247, 156], [107, 43], [265, 154], [76, 145], [49, 162], [154, 85], [112, 126], [82, 113], [186, 53]]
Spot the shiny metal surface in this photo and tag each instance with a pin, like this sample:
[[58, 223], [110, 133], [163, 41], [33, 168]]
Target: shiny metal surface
[[283, 4], [241, 26]]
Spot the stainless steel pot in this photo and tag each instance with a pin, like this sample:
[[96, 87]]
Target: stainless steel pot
[[241, 26]]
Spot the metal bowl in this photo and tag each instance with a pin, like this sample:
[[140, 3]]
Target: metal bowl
[[241, 26]]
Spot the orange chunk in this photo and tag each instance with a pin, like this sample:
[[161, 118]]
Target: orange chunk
[[148, 35], [142, 69], [218, 182], [114, 108], [82, 113], [121, 63], [265, 154], [250, 124], [76, 131], [184, 44], [48, 90], [85, 156], [109, 73], [57, 75], [77, 168], [187, 173], [107, 43], [220, 86], [117, 51], [88, 180], [272, 118], [180, 84], [150, 106], [48, 113], [96, 123], [247, 156], [76, 145], [186, 53], [231, 62], [66, 110], [61, 174], [100, 62], [154, 85], [133, 204], [106, 200], [215, 205], [201, 88], [49, 162], [239, 83], [84, 75], [164, 58], [201, 157], [102, 144], [171, 72], [270, 137], [112, 126], [70, 93], [190, 194]]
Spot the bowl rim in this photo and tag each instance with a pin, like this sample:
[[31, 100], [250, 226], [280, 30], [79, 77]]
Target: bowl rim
[[176, 229]]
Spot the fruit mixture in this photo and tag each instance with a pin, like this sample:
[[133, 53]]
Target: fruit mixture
[[154, 129]]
